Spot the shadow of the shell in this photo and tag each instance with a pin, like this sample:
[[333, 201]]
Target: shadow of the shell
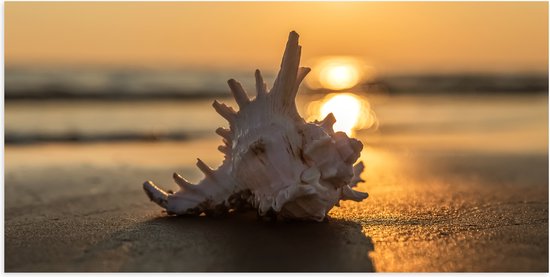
[[241, 243]]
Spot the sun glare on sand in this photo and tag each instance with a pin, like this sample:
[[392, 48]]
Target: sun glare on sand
[[351, 111]]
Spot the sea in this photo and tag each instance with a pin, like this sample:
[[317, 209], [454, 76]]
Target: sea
[[474, 112]]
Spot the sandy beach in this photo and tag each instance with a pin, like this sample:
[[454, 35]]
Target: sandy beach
[[80, 207]]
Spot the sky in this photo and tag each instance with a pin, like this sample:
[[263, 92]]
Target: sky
[[394, 37]]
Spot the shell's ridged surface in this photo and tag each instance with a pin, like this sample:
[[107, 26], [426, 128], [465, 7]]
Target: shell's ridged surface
[[275, 162]]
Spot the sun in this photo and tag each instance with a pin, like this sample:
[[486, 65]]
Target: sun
[[339, 76], [338, 72]]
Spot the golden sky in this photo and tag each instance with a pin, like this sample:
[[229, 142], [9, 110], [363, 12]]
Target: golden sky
[[393, 36]]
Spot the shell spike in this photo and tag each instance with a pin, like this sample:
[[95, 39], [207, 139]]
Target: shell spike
[[224, 133], [223, 149], [238, 93], [286, 79], [226, 112], [350, 194], [209, 172], [302, 73], [182, 183], [155, 193], [357, 170], [328, 122], [261, 87]]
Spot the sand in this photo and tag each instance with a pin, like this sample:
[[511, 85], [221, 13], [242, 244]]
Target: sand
[[80, 207]]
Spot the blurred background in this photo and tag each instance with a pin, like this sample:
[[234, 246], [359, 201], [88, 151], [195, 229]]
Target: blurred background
[[468, 76]]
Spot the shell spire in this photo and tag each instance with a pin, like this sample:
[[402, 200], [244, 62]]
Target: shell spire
[[290, 76], [275, 161]]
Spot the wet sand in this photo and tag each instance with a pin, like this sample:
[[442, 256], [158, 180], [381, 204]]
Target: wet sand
[[80, 207]]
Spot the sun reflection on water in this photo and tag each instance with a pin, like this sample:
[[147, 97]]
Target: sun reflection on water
[[352, 112]]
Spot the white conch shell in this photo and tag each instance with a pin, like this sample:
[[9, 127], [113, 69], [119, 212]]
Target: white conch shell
[[275, 162]]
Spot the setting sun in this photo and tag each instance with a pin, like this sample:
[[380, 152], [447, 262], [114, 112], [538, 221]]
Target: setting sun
[[339, 76], [338, 72]]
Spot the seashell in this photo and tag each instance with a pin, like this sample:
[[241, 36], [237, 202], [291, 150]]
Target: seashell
[[275, 161]]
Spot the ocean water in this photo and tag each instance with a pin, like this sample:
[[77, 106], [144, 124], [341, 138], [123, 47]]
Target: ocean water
[[71, 83], [489, 122], [125, 83]]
